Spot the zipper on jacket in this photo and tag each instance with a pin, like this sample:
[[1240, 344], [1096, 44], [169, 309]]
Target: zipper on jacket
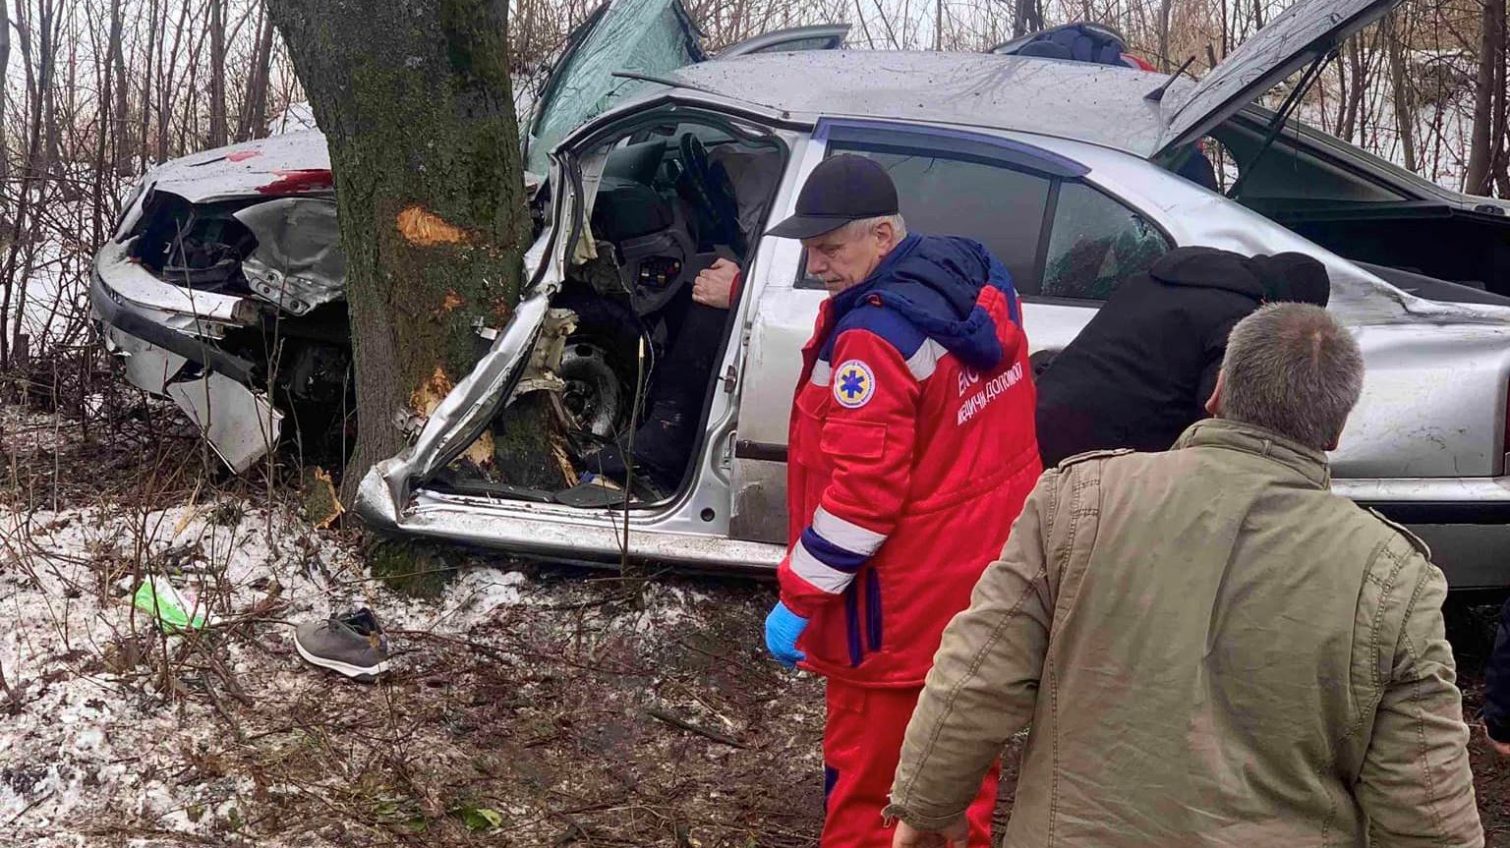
[[873, 608], [852, 619]]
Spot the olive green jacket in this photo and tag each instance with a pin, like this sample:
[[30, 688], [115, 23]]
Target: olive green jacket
[[1212, 649]]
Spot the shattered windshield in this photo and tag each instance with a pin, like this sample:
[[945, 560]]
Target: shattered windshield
[[651, 37]]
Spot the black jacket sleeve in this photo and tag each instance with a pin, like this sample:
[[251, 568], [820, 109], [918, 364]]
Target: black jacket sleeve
[[1497, 682]]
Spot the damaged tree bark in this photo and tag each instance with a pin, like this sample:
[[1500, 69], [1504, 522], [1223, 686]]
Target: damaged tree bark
[[415, 103]]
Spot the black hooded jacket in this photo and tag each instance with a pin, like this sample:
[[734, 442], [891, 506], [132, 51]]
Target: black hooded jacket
[[1141, 370]]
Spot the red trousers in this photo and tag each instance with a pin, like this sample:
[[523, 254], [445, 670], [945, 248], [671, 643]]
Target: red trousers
[[862, 743]]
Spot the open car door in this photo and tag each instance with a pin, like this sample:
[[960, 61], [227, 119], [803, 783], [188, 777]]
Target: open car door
[[1306, 32]]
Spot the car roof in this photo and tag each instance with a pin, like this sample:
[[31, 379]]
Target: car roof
[[1098, 104]]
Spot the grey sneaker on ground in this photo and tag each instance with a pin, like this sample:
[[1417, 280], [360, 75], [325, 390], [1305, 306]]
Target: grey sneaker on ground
[[353, 645]]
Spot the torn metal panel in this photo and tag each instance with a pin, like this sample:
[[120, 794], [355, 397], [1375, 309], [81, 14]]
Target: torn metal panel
[[126, 282], [238, 423], [464, 413], [298, 263], [147, 366]]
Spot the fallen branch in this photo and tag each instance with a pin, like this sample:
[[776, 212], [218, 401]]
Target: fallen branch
[[677, 721]]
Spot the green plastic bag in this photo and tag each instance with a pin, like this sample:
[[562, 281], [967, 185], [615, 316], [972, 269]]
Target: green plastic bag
[[157, 598]]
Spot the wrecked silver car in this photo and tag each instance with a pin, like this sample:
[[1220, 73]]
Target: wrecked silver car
[[222, 289], [1068, 172]]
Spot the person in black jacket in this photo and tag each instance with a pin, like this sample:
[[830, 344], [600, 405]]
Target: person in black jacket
[[1141, 370], [1497, 688]]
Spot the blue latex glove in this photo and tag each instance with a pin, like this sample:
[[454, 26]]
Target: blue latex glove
[[782, 627]]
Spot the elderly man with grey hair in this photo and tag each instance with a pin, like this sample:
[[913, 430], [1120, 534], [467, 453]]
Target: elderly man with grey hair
[[1210, 647]]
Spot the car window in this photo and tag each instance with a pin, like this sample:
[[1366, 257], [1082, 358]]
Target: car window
[[1000, 207], [1095, 243]]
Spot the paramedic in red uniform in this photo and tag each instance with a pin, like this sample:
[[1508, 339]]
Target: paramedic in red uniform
[[911, 451]]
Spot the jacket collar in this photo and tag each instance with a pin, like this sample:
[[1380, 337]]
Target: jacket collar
[[846, 300], [1232, 435]]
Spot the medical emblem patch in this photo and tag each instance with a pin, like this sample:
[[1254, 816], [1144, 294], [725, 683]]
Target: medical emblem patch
[[854, 384]]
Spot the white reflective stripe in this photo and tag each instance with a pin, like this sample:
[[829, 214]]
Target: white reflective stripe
[[807, 566], [847, 535], [922, 363], [822, 372]]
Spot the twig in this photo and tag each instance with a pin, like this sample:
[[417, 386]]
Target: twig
[[677, 721], [28, 808]]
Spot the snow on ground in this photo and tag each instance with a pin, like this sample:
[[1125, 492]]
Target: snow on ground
[[91, 744]]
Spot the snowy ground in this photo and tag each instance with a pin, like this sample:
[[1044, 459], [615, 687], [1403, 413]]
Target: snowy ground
[[539, 703]]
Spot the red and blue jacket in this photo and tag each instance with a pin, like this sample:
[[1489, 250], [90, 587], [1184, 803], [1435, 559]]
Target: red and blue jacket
[[911, 452]]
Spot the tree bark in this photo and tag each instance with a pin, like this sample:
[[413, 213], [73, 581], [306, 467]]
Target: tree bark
[[415, 102], [218, 131], [1483, 145]]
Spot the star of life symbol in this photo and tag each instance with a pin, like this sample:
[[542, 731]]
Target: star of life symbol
[[855, 385]]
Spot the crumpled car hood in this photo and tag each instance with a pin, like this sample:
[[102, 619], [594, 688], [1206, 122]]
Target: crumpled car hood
[[296, 163]]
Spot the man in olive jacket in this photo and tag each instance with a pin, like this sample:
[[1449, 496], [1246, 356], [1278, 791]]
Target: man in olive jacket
[[1211, 648]]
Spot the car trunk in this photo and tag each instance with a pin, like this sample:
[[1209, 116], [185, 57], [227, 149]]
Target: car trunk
[[1431, 239]]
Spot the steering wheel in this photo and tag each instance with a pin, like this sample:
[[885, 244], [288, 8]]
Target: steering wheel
[[709, 191]]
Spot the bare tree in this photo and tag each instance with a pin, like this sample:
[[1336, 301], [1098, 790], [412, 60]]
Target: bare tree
[[253, 119], [218, 131], [1491, 62], [1400, 87]]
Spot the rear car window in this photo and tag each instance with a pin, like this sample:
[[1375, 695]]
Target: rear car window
[[1095, 243]]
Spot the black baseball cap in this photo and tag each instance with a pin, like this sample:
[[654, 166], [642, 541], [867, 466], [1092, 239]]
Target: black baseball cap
[[841, 189]]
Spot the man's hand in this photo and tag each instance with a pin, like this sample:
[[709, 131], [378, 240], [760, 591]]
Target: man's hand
[[714, 285], [1501, 748], [782, 627], [956, 835]]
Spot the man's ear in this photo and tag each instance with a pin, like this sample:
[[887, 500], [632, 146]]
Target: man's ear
[[886, 234], [1214, 403]]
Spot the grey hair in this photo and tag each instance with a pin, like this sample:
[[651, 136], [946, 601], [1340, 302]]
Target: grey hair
[[1292, 369], [854, 229]]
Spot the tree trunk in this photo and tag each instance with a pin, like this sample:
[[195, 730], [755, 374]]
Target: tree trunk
[[253, 121], [1400, 86], [425, 154], [4, 65], [120, 129], [1164, 11], [1358, 92], [1491, 48], [218, 132]]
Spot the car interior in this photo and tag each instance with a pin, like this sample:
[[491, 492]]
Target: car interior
[[666, 201]]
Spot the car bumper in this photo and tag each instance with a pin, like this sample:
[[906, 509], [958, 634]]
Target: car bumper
[[162, 357]]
